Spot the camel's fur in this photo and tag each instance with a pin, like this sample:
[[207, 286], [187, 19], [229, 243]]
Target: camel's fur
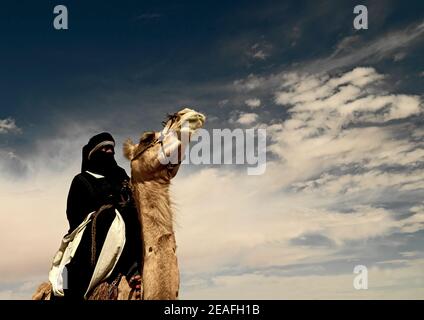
[[151, 181]]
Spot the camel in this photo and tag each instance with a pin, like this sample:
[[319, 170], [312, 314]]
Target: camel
[[155, 160]]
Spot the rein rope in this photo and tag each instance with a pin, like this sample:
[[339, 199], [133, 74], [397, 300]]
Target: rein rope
[[94, 233]]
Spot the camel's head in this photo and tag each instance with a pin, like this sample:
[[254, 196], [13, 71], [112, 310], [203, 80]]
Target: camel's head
[[158, 154]]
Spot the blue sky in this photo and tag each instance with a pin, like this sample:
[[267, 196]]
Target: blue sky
[[342, 107]]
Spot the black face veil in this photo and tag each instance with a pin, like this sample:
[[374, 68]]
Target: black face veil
[[96, 161]]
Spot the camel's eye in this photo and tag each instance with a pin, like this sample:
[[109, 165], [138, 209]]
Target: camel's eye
[[170, 117], [147, 137]]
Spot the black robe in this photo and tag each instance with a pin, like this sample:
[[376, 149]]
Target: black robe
[[88, 195]]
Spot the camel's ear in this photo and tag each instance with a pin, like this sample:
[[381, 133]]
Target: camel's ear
[[129, 148]]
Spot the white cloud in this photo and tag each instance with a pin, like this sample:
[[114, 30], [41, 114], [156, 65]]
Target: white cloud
[[20, 290], [11, 165], [248, 215], [247, 118], [253, 103], [351, 51], [335, 122], [407, 280], [33, 208], [250, 83], [347, 44], [399, 56], [8, 126], [259, 51], [260, 55], [371, 180], [34, 213], [415, 222], [223, 103]]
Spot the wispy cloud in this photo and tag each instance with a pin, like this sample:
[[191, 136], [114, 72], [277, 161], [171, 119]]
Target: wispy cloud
[[148, 16], [331, 118], [259, 51], [247, 118], [351, 50], [407, 280], [253, 103], [9, 126]]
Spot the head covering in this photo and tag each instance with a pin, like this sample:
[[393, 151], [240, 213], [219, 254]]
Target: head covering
[[95, 160]]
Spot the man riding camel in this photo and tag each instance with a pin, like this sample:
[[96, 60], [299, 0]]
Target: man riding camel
[[100, 208]]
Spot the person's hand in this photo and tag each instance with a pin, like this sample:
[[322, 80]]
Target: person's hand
[[135, 284]]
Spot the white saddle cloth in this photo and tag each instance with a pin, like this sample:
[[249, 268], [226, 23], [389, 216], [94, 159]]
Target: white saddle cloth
[[108, 258]]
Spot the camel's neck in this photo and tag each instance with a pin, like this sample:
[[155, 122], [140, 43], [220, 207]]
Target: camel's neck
[[154, 206], [160, 267]]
